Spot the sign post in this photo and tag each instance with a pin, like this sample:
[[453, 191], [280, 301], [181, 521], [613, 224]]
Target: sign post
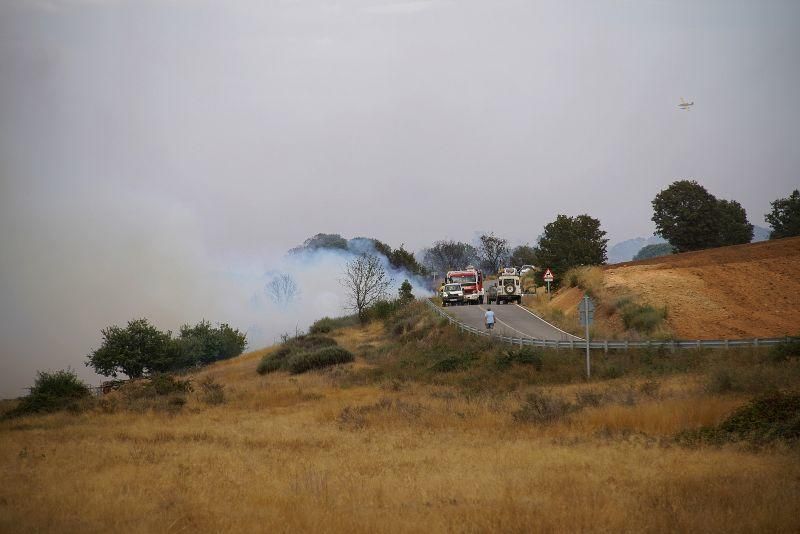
[[586, 313], [548, 277]]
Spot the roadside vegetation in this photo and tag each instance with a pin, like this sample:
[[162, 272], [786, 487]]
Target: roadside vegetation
[[618, 314]]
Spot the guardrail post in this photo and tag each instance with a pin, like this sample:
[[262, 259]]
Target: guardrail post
[[571, 344], [605, 346], [698, 344], [627, 343], [672, 345], [755, 342], [727, 344]]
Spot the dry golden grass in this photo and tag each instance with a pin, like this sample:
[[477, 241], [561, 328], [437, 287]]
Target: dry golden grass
[[301, 454]]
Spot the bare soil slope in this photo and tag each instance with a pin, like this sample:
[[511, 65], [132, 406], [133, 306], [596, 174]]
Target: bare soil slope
[[729, 292]]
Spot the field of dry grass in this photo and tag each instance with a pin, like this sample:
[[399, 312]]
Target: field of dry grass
[[315, 453]]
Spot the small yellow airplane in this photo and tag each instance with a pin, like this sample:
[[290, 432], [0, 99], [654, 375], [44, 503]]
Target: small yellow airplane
[[685, 105]]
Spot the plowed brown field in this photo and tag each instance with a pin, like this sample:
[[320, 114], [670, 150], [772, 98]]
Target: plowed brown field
[[740, 291]]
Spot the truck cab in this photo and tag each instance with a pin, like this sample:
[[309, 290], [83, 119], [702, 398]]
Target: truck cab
[[471, 280], [452, 294]]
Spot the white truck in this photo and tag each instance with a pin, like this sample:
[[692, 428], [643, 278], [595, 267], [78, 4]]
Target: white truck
[[509, 287]]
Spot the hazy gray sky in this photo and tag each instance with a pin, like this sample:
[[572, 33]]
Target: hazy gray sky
[[157, 157]]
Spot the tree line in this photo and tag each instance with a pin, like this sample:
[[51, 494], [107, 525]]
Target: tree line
[[139, 348], [685, 214]]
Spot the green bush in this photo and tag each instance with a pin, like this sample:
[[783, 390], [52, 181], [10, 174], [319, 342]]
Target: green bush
[[785, 351], [384, 309], [279, 360], [324, 357], [765, 419], [52, 392], [269, 364], [643, 317], [329, 324], [168, 384]]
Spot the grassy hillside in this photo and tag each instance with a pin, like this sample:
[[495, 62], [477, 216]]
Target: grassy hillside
[[427, 430], [740, 291]]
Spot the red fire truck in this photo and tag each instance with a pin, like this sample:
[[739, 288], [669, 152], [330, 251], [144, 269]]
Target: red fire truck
[[471, 281]]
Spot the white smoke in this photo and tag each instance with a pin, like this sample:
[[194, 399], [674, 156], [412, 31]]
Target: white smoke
[[70, 269]]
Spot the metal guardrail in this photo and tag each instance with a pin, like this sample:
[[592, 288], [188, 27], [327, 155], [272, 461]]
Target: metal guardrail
[[606, 345]]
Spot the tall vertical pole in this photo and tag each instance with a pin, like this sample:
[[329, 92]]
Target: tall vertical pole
[[586, 317]]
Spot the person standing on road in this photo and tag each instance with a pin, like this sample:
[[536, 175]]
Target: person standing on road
[[488, 318]]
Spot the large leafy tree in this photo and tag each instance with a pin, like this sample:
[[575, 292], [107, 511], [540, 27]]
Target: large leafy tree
[[134, 350], [203, 343], [321, 241], [785, 216], [734, 228], [691, 218], [571, 241], [400, 258], [446, 256], [493, 252], [524, 255], [686, 215]]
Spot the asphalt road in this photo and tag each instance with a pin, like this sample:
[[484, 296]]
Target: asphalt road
[[510, 320]]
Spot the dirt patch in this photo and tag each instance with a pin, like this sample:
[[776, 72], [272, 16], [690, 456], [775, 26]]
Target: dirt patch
[[740, 291]]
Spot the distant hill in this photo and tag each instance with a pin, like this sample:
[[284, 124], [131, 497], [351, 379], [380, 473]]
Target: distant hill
[[626, 250], [760, 233]]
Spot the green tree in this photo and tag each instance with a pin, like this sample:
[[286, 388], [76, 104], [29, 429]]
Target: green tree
[[571, 241], [493, 252], [654, 251], [734, 228], [203, 344], [446, 256], [400, 258], [134, 350], [321, 241], [785, 216], [686, 215], [405, 291], [523, 255]]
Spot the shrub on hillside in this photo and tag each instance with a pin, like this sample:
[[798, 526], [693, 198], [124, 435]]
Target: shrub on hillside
[[765, 419], [324, 357], [329, 324], [543, 409], [785, 351], [524, 356], [52, 392], [211, 392], [279, 360], [643, 317], [384, 309], [590, 279], [451, 364], [159, 393]]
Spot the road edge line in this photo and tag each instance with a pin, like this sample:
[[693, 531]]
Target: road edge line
[[548, 323]]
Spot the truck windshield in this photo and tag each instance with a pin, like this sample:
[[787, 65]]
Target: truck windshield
[[463, 279], [452, 287]]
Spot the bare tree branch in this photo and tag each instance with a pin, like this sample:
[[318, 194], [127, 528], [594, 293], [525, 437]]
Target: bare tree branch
[[282, 289], [366, 282]]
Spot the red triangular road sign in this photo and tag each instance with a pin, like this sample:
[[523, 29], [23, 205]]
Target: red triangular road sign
[[548, 275]]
